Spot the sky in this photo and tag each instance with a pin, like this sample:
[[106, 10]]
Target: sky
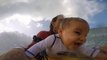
[[27, 17], [32, 16]]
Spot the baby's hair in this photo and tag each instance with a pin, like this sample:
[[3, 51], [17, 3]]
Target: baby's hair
[[66, 22], [57, 18]]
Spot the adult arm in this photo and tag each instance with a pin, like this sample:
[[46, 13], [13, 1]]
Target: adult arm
[[97, 53], [102, 55]]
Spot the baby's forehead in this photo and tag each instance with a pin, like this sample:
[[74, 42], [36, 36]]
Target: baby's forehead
[[68, 22], [77, 22], [80, 21], [79, 25]]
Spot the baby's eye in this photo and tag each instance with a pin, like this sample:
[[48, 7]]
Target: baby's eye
[[78, 33]]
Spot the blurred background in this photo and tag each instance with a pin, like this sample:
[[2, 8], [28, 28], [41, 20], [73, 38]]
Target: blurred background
[[21, 19]]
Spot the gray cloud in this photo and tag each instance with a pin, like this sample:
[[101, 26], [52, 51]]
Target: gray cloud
[[46, 9], [28, 27], [50, 8], [34, 29]]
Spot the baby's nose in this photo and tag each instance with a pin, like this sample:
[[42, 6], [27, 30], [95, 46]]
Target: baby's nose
[[83, 39]]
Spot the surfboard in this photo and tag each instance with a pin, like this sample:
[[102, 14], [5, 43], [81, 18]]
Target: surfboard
[[71, 58], [18, 54]]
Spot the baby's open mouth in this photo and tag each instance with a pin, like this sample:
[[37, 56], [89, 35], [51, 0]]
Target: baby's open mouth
[[77, 44]]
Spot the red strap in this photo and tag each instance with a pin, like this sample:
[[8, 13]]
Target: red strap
[[43, 34]]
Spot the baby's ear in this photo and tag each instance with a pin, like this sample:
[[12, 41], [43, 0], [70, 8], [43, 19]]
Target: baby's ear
[[60, 31]]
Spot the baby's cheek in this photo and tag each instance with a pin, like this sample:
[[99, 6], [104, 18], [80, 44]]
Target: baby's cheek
[[69, 42], [66, 43]]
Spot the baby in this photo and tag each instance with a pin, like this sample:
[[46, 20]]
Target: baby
[[68, 42]]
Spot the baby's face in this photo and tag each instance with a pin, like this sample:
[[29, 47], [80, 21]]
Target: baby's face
[[74, 35]]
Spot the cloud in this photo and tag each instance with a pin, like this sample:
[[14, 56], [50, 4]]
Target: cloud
[[13, 39], [20, 15], [31, 15], [23, 24], [4, 2], [50, 8]]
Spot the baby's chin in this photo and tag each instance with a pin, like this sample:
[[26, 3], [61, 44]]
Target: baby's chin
[[73, 48]]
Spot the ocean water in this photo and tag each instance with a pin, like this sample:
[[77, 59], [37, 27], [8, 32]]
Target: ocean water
[[97, 37]]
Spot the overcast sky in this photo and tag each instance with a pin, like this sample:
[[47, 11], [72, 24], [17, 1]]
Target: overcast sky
[[31, 16]]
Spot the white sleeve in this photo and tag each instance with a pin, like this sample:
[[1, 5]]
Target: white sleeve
[[90, 51], [40, 46]]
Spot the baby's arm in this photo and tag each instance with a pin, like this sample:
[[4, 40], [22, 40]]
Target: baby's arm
[[40, 46], [102, 55]]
